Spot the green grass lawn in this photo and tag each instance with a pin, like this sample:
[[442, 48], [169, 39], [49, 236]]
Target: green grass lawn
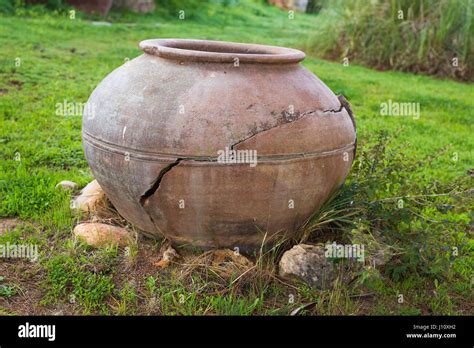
[[49, 58]]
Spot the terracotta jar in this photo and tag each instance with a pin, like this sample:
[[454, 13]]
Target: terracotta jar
[[217, 144]]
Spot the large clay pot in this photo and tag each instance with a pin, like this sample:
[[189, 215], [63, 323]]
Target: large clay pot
[[155, 131]]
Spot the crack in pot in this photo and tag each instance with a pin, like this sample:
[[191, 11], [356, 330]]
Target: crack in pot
[[155, 185], [344, 104], [157, 182]]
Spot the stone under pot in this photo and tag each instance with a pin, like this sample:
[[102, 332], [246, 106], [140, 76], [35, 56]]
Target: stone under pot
[[162, 134]]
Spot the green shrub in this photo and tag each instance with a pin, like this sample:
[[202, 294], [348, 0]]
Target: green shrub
[[7, 6], [418, 36], [12, 6], [421, 226]]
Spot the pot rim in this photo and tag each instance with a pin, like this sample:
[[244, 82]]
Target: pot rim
[[220, 51]]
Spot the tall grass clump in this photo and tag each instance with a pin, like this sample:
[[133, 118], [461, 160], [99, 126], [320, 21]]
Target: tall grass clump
[[422, 36]]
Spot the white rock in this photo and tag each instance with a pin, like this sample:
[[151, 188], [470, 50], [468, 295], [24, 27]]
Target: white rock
[[91, 198], [102, 235], [169, 255], [67, 185], [309, 264], [102, 24]]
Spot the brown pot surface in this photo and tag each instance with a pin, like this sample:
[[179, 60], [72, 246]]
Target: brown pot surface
[[156, 129]]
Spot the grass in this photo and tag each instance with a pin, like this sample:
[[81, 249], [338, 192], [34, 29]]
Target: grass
[[6, 290], [422, 162]]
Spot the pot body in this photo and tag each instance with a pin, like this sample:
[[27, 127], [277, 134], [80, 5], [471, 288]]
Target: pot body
[[156, 131]]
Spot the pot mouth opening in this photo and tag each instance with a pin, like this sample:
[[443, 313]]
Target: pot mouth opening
[[220, 51]]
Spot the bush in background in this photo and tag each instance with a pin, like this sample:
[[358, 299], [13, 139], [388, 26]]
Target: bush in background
[[426, 36]]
